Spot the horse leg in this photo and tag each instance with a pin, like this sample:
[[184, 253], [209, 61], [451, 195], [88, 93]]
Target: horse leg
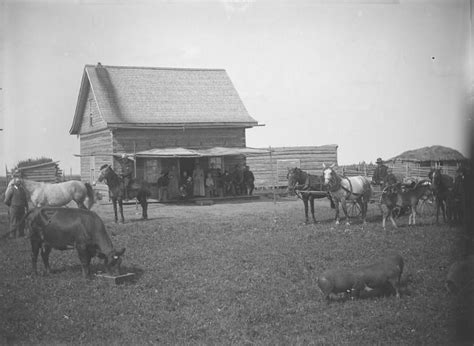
[[114, 203], [311, 201], [336, 206], [305, 201], [144, 204], [392, 219], [46, 249], [344, 209], [120, 203]]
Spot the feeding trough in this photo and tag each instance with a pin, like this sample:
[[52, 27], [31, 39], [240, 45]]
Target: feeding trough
[[116, 279]]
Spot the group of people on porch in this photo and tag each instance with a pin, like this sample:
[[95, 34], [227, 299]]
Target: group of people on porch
[[210, 183]]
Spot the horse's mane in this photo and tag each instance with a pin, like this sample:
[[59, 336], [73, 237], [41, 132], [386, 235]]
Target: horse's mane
[[103, 166]]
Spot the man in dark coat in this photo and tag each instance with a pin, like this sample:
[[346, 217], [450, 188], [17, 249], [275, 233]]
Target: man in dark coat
[[248, 180], [127, 172], [17, 200], [163, 182], [380, 173]]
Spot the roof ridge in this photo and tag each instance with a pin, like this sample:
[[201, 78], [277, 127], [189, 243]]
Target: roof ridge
[[157, 68]]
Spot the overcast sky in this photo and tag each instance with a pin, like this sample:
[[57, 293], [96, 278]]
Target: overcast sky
[[376, 77]]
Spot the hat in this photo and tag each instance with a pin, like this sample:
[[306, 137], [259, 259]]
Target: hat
[[379, 160]]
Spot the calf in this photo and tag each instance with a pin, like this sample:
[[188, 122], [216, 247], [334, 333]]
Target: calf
[[375, 278], [394, 196], [68, 228]]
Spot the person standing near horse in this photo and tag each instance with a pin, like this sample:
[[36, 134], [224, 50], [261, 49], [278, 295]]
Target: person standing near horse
[[198, 179], [127, 166], [238, 180], [380, 173], [17, 201], [163, 182], [249, 180], [173, 186]]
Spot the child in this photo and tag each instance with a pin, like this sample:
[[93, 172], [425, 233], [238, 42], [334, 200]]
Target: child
[[210, 185]]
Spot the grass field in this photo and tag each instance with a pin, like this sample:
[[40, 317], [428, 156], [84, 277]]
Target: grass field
[[240, 273]]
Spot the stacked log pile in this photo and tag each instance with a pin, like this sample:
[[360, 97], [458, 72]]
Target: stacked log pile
[[47, 172], [272, 170]]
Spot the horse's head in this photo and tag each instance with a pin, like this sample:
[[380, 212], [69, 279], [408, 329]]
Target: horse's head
[[435, 178], [104, 173], [294, 177], [329, 174]]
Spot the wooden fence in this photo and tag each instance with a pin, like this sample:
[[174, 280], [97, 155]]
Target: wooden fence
[[401, 171]]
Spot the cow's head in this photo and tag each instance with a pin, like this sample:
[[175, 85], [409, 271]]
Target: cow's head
[[113, 261]]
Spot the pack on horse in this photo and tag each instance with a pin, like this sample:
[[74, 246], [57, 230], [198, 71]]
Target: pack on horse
[[397, 196], [299, 181], [343, 189], [136, 189], [59, 194], [441, 184]]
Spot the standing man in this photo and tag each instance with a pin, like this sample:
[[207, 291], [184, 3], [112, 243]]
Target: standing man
[[163, 182], [248, 181], [380, 173], [127, 172], [16, 199]]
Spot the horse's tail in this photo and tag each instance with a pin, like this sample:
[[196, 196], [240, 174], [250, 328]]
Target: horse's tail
[[90, 192]]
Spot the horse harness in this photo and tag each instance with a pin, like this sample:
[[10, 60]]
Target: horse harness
[[358, 195]]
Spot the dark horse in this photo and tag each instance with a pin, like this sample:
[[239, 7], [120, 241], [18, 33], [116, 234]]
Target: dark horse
[[307, 187], [136, 189], [441, 184]]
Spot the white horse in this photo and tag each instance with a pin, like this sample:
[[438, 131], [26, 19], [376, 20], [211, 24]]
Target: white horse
[[343, 189], [55, 195]]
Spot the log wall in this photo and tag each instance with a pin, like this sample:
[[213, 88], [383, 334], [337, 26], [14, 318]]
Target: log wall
[[272, 171]]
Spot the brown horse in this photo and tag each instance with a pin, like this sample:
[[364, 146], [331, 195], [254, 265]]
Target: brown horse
[[307, 187], [441, 184], [136, 189]]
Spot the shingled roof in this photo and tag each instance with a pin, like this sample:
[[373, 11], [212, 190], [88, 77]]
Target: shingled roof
[[433, 153], [144, 96]]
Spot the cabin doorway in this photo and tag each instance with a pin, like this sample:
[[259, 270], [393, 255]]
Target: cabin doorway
[[186, 164]]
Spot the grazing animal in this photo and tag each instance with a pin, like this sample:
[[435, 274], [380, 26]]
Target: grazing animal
[[334, 281], [68, 228], [301, 180], [343, 189], [56, 195], [381, 276], [394, 197], [460, 276], [374, 279], [137, 189], [441, 185]]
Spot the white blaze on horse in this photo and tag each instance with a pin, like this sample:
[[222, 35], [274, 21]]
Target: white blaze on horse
[[56, 195], [343, 189]]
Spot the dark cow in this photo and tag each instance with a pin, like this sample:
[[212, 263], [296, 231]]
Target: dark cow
[[367, 281], [69, 228], [383, 276]]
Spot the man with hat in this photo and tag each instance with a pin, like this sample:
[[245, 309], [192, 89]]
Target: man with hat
[[380, 173], [127, 170], [17, 200]]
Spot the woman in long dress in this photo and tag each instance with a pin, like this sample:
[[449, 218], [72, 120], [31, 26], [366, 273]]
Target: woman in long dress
[[173, 185], [198, 179]]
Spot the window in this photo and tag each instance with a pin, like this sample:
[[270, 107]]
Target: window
[[217, 161]]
